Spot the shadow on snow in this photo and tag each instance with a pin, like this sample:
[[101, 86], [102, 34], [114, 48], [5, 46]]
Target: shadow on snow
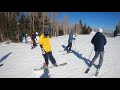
[[45, 74], [4, 57], [87, 61]]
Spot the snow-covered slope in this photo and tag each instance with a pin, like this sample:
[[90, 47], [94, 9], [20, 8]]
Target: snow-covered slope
[[19, 60]]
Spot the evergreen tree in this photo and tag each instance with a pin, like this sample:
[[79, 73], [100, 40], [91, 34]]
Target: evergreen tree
[[80, 27], [84, 29], [88, 29]]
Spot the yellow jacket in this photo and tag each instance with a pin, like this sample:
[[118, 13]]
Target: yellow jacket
[[45, 42]]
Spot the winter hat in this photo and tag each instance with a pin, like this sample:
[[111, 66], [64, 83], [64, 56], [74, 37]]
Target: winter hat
[[100, 30]]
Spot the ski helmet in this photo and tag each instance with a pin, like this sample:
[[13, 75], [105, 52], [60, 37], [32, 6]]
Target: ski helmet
[[100, 30], [46, 31]]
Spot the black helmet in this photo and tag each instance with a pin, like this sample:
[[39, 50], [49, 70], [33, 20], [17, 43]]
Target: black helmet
[[46, 31]]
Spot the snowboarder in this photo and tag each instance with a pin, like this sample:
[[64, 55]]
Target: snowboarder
[[44, 42], [33, 39], [98, 41], [70, 39]]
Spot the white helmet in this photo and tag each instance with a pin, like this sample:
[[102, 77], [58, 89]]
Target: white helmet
[[36, 33], [100, 30]]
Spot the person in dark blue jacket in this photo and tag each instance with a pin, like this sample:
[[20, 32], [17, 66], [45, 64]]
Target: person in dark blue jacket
[[70, 39], [98, 41]]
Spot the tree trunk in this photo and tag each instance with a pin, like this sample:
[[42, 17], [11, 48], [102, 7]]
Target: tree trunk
[[2, 36], [33, 22]]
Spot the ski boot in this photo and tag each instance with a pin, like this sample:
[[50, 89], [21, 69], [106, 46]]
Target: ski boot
[[45, 65], [55, 65], [97, 71], [87, 70]]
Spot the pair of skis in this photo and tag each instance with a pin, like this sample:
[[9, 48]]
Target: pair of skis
[[42, 68], [67, 52], [96, 73]]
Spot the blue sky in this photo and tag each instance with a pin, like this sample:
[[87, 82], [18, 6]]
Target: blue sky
[[105, 20]]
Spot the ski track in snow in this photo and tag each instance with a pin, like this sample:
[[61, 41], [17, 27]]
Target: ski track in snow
[[20, 61]]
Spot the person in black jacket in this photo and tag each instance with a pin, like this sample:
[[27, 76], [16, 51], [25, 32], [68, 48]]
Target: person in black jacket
[[33, 39], [98, 41], [115, 33]]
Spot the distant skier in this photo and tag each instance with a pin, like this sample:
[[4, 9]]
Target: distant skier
[[21, 36], [36, 38], [33, 39], [44, 42], [70, 40], [98, 41], [115, 33], [26, 38]]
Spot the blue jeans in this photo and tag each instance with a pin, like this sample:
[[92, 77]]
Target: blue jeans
[[47, 56]]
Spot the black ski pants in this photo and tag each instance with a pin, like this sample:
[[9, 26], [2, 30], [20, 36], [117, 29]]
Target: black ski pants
[[69, 46]]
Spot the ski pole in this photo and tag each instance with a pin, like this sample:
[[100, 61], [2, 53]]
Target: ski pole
[[90, 53]]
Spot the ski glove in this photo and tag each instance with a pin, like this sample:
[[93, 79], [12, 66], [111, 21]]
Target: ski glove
[[73, 38], [43, 51]]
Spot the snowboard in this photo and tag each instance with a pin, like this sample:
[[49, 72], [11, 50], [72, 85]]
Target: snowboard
[[38, 69]]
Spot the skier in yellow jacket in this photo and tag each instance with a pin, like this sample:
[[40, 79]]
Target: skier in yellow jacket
[[44, 43]]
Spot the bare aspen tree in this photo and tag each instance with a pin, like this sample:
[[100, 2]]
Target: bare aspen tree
[[43, 15], [32, 16], [30, 21], [54, 23], [66, 27], [42, 20]]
